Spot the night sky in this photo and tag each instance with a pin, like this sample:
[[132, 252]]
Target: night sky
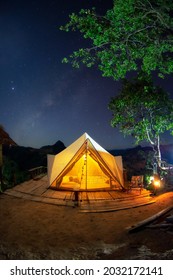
[[43, 100]]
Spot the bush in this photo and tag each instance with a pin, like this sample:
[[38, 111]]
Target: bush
[[12, 175]]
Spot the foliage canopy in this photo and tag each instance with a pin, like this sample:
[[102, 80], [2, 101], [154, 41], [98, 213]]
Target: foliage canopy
[[143, 111], [131, 36]]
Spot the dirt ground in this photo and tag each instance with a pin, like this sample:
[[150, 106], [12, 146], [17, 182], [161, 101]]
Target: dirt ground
[[33, 230]]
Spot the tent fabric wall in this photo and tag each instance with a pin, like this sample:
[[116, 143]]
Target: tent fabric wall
[[85, 165]]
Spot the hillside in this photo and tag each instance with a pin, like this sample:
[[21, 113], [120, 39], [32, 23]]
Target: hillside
[[166, 151], [28, 157], [5, 139], [135, 159]]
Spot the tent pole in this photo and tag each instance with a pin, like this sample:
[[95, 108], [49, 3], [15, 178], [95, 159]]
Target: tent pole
[[86, 165]]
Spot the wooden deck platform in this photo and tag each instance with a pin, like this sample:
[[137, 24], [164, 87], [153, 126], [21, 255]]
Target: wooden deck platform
[[97, 201]]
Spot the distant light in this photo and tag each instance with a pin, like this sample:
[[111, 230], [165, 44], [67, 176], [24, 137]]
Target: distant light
[[157, 183]]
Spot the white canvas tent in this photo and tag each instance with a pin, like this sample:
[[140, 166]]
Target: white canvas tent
[[85, 165]]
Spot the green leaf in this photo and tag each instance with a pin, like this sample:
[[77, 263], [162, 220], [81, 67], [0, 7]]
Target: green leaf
[[132, 36]]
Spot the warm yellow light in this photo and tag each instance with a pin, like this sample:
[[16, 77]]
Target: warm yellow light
[[84, 156], [157, 183]]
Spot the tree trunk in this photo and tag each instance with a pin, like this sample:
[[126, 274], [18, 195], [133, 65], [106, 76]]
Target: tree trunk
[[157, 156]]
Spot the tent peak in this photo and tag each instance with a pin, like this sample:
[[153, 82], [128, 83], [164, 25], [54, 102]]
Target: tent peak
[[86, 135]]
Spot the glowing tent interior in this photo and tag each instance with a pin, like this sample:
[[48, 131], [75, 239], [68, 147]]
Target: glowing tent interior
[[85, 165]]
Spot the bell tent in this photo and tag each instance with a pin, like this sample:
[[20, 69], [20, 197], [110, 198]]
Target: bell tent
[[85, 165]]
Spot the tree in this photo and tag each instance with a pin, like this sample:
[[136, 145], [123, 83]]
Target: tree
[[143, 111], [131, 36]]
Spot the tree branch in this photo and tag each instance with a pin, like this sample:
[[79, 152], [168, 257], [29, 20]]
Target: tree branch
[[97, 47]]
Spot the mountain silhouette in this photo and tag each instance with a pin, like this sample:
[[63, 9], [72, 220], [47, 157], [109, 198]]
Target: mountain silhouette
[[5, 139]]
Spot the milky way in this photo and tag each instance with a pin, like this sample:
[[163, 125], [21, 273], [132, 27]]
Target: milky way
[[43, 100]]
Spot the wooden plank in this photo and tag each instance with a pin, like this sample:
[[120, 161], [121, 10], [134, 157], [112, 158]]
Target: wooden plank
[[40, 183], [135, 201], [149, 220], [84, 196], [100, 201], [23, 195], [106, 195], [48, 193], [91, 196], [44, 179], [23, 185], [163, 225], [27, 187], [69, 196], [39, 190], [14, 193], [32, 186], [49, 200], [59, 195], [118, 208], [112, 194], [103, 195], [58, 202]]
